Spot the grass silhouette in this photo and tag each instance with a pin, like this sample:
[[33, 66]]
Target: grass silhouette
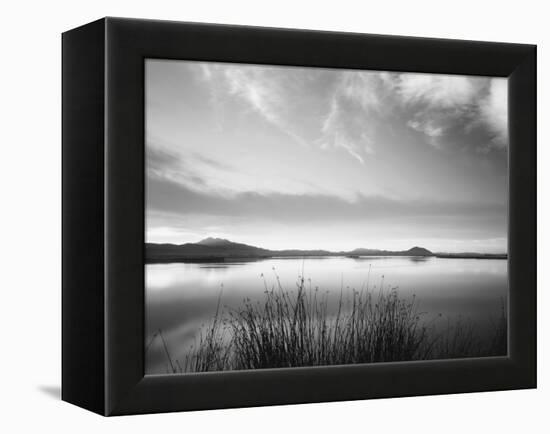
[[297, 328]]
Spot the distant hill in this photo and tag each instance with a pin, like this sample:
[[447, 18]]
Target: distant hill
[[207, 249], [217, 242], [415, 251], [218, 249], [418, 251]]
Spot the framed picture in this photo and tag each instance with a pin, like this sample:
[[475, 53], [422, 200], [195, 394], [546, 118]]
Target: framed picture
[[258, 216]]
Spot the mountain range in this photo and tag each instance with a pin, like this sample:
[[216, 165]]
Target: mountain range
[[218, 249]]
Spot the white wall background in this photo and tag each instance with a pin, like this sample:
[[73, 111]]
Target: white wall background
[[30, 186]]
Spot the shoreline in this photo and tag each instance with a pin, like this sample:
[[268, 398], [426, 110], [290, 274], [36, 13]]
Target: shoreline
[[224, 259]]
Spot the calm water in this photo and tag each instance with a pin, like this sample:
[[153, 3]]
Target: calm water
[[182, 297]]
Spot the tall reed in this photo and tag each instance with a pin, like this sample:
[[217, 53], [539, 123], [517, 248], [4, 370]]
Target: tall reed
[[304, 327]]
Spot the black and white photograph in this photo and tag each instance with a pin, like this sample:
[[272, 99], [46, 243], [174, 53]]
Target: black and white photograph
[[303, 216], [287, 217]]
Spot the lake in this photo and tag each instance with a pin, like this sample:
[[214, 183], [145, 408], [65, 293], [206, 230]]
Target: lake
[[182, 297]]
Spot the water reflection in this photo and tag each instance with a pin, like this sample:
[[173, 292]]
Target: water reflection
[[182, 297]]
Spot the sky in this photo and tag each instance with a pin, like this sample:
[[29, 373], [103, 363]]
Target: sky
[[311, 158]]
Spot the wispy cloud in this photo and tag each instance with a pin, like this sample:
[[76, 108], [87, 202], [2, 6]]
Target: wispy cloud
[[336, 134], [344, 101], [192, 170], [353, 104], [494, 111], [450, 111], [263, 92], [429, 128], [356, 101], [436, 91], [445, 108], [313, 207]]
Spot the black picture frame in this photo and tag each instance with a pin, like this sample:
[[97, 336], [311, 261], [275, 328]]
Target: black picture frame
[[103, 216]]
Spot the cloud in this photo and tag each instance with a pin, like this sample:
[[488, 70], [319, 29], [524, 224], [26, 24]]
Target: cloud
[[261, 88], [427, 127], [261, 95], [451, 111], [306, 208], [335, 104], [494, 111], [362, 87], [190, 169], [437, 91], [355, 105], [337, 134]]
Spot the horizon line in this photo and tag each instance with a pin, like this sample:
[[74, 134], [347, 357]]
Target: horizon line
[[334, 251]]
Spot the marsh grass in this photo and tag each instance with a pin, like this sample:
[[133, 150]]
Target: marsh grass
[[299, 328]]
